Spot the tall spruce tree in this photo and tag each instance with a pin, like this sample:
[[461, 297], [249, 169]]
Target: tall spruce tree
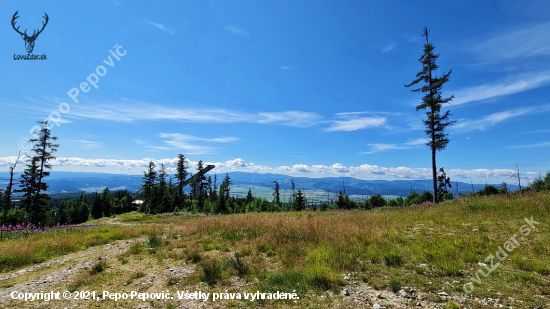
[[432, 101], [181, 173], [32, 181], [147, 187], [277, 194]]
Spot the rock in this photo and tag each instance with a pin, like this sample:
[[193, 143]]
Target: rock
[[345, 292], [346, 278], [402, 293], [379, 295], [481, 264], [442, 294]]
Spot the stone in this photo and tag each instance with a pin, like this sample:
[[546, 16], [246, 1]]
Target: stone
[[345, 292]]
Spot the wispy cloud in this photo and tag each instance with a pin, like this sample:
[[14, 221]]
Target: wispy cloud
[[89, 145], [379, 147], [388, 47], [536, 145], [356, 124], [502, 88], [189, 144], [285, 68], [131, 111], [535, 132], [290, 118], [496, 118], [238, 31], [161, 27], [528, 42]]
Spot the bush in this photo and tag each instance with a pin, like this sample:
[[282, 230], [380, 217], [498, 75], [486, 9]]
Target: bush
[[99, 267], [211, 271], [377, 200], [240, 265], [413, 198], [426, 196], [489, 190], [393, 259], [154, 241], [395, 285]]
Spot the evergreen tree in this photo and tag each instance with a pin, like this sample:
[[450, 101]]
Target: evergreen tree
[[147, 187], [249, 196], [106, 201], [181, 173], [277, 194], [299, 201], [28, 185], [97, 210], [32, 182], [200, 182], [435, 122], [444, 183], [6, 204], [293, 185]]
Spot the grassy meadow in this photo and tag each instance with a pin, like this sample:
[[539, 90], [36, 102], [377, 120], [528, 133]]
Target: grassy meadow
[[431, 248]]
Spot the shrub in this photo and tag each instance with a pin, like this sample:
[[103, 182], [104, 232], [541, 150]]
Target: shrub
[[393, 259], [413, 198], [211, 271], [395, 285], [98, 267], [377, 200], [426, 196], [240, 265], [154, 241]]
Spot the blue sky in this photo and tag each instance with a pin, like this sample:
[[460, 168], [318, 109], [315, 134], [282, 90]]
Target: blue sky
[[305, 88]]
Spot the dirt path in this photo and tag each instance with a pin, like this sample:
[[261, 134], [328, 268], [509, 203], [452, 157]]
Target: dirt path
[[43, 277]]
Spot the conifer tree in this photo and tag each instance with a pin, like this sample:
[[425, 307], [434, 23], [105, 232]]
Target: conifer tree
[[432, 101], [32, 181], [277, 194], [181, 173], [249, 196], [299, 201], [147, 187], [97, 210], [106, 201]]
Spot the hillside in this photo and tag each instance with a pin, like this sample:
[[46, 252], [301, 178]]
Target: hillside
[[91, 182]]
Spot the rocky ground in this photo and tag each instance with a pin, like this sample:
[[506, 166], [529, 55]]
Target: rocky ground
[[155, 277]]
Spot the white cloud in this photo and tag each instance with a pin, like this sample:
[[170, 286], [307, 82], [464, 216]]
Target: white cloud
[[131, 111], [536, 145], [356, 124], [364, 171], [290, 118], [89, 145], [188, 143], [388, 47], [527, 42], [496, 118], [379, 147], [161, 27], [237, 31], [502, 88]]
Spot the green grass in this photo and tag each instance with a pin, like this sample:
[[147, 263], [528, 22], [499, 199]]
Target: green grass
[[310, 251], [40, 247]]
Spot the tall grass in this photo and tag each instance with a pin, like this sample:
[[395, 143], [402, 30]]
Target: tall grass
[[40, 247], [319, 246]]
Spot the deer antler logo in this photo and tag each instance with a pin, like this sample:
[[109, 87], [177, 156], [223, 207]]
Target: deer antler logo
[[29, 40]]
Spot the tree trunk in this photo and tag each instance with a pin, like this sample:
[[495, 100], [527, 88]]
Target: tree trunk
[[434, 174]]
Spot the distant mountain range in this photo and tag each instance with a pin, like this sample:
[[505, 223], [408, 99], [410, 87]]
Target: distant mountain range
[[60, 182]]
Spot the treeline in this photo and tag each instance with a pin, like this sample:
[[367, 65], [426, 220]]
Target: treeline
[[160, 194]]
